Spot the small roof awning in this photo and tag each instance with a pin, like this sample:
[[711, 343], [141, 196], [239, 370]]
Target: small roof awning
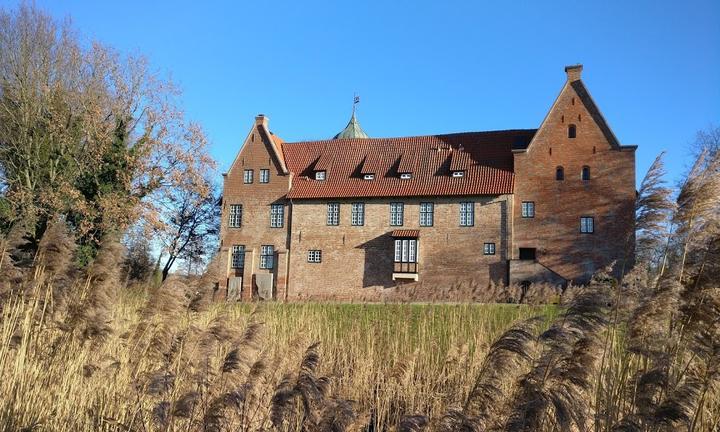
[[405, 233]]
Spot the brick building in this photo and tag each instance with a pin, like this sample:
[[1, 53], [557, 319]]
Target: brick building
[[360, 218]]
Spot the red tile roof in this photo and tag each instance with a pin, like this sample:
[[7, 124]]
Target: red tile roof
[[405, 233], [486, 157], [407, 162], [460, 161]]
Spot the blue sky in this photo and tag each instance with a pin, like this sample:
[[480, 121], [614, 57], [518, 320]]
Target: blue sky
[[424, 67]]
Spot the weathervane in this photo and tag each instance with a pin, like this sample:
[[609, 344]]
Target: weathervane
[[356, 100]]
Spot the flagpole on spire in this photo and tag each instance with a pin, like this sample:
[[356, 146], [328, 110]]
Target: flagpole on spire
[[356, 100]]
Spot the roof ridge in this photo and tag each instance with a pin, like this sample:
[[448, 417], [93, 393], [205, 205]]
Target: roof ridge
[[365, 140]]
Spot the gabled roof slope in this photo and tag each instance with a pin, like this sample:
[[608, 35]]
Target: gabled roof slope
[[594, 111], [487, 155]]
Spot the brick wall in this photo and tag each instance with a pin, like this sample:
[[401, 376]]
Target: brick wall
[[256, 199], [608, 196], [357, 261]]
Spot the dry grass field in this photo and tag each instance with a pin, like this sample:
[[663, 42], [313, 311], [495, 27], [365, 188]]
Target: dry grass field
[[81, 350], [389, 360], [77, 354]]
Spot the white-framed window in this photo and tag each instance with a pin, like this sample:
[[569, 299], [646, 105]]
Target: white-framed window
[[406, 176], [427, 210], [458, 174], [238, 256], [319, 175], [333, 214], [277, 215], [587, 225], [369, 177], [248, 176], [315, 256], [235, 217], [267, 256], [489, 249], [406, 250], [528, 209], [264, 176], [396, 214], [357, 215], [467, 214]]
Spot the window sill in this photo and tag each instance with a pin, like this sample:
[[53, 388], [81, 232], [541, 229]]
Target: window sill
[[406, 276]]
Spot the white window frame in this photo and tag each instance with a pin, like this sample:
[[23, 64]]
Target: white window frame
[[357, 214], [267, 256], [587, 225], [333, 214], [277, 215], [320, 175], [397, 213], [235, 216], [406, 250], [314, 256], [406, 176], [264, 175], [458, 174], [237, 257], [467, 214], [248, 175], [489, 248], [369, 177], [427, 214], [527, 209]]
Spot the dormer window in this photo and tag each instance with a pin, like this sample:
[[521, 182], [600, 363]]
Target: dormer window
[[320, 175], [368, 176], [406, 176], [458, 173]]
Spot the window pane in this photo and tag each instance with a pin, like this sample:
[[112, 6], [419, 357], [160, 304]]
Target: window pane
[[412, 253], [398, 247], [266, 256], [396, 214], [358, 214], [489, 249], [277, 215], [238, 256], [333, 214], [528, 209], [426, 214], [235, 217], [467, 216]]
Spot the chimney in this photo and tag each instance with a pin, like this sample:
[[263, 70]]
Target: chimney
[[261, 119], [573, 72]]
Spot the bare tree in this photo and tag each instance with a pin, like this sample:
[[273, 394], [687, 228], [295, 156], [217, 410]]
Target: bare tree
[[188, 227]]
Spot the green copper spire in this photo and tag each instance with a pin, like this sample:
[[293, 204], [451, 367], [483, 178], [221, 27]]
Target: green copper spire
[[353, 129]]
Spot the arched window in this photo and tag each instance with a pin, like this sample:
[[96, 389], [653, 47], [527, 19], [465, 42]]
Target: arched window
[[571, 131], [585, 173], [559, 173]]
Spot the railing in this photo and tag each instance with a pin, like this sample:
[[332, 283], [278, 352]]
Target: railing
[[405, 267]]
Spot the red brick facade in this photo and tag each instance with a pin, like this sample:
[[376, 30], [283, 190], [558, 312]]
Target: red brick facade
[[487, 175]]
